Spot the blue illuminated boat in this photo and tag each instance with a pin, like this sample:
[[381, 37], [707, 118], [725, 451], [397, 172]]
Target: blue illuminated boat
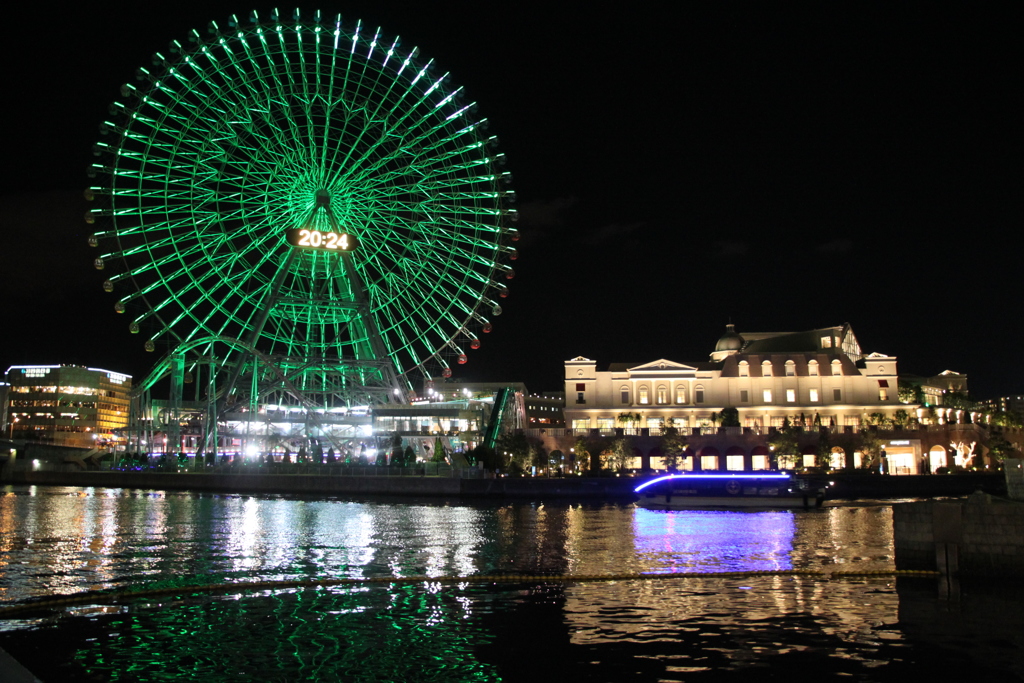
[[739, 490]]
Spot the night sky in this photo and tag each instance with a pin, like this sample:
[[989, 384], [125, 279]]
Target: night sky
[[675, 170]]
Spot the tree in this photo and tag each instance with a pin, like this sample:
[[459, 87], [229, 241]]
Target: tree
[[440, 455], [999, 449], [618, 453], [901, 419], [486, 457], [823, 454], [871, 447], [729, 417], [957, 400], [673, 445], [910, 393], [1001, 418], [538, 456], [785, 446], [396, 450], [516, 451], [556, 460], [408, 457], [630, 419], [582, 455]]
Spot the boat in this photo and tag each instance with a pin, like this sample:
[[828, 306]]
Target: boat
[[739, 490]]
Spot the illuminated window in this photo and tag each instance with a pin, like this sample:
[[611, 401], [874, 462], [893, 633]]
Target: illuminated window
[[644, 400], [744, 369], [766, 369], [698, 394], [662, 395], [814, 395], [767, 395], [826, 342], [812, 368], [681, 393], [605, 423], [790, 368], [883, 394], [581, 423], [837, 368], [790, 395]]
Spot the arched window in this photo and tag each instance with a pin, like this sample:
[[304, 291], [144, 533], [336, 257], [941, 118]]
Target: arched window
[[812, 368], [698, 393], [662, 395], [644, 399], [766, 368], [790, 368], [681, 393], [624, 394], [837, 368], [744, 369]]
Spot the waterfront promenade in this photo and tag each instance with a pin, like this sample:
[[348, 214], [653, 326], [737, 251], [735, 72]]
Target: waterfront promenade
[[470, 482]]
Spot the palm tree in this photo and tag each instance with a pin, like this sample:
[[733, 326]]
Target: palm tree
[[630, 419]]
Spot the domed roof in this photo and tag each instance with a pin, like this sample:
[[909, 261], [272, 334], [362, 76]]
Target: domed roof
[[730, 341]]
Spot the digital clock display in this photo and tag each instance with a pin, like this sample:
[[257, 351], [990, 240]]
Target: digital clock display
[[324, 241]]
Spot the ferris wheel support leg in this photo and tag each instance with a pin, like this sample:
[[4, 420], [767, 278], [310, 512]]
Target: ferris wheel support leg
[[390, 374], [208, 440], [174, 409], [257, 329]]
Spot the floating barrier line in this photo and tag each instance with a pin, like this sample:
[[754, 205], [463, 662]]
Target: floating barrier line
[[118, 596]]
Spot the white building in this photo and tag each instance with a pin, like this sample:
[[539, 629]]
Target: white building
[[818, 377]]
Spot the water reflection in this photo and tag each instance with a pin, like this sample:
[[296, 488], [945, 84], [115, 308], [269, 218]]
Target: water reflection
[[714, 540], [65, 540]]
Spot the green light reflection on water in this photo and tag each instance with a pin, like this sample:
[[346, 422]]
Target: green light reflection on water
[[397, 633]]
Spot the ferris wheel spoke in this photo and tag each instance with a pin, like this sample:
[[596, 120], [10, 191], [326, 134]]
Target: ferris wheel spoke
[[346, 165]]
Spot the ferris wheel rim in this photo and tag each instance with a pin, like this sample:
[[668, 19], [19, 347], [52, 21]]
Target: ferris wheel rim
[[440, 187]]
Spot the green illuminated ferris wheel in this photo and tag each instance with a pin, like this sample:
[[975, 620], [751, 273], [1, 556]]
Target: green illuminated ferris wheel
[[308, 195]]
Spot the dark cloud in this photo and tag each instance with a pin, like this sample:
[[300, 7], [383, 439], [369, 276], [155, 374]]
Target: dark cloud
[[838, 246], [731, 248], [612, 232], [545, 213]]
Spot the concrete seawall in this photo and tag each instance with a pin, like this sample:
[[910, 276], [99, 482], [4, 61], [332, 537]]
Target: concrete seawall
[[979, 537], [569, 487]]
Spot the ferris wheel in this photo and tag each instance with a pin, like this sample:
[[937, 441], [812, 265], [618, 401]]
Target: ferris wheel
[[309, 190]]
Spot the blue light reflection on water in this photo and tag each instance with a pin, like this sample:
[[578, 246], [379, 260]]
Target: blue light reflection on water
[[714, 540]]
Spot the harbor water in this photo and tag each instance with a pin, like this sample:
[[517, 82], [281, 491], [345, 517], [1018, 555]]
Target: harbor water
[[528, 608]]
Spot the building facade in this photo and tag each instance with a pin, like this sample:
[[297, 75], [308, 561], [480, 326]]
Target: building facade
[[67, 405], [815, 378], [753, 384]]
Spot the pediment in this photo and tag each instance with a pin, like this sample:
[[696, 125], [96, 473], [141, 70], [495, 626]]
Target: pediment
[[663, 365]]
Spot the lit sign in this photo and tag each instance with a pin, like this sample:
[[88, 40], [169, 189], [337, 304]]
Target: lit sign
[[116, 378], [324, 241], [36, 372], [904, 442]]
